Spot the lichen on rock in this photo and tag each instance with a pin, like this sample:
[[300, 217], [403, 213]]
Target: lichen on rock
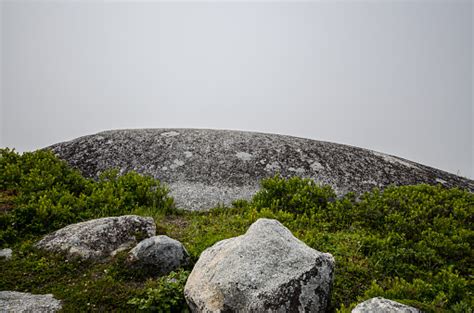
[[266, 269], [383, 305], [99, 238], [205, 168], [13, 301], [160, 254]]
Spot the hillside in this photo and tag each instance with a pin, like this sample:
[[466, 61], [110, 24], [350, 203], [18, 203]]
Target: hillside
[[205, 168], [66, 242]]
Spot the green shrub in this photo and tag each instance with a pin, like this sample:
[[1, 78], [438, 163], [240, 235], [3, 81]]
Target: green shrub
[[51, 195], [81, 285], [445, 291], [295, 195], [164, 295], [412, 244], [412, 234]]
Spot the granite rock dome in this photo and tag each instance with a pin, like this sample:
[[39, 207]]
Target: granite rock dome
[[204, 168]]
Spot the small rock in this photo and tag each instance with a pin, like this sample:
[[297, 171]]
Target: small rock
[[316, 166], [159, 253], [244, 156], [176, 164], [13, 301], [100, 238], [265, 270], [272, 167], [6, 253], [383, 305]]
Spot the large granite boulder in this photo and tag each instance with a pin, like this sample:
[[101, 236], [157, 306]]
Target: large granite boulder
[[383, 305], [100, 238], [265, 270], [205, 167], [13, 301], [160, 254]]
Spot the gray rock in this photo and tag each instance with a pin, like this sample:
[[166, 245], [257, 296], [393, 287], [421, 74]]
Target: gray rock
[[100, 238], [382, 305], [12, 301], [6, 253], [159, 253], [204, 168], [265, 270]]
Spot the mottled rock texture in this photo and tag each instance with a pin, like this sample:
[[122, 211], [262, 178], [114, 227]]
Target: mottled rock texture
[[6, 253], [204, 167], [265, 270], [160, 254], [12, 301], [100, 238], [382, 305]]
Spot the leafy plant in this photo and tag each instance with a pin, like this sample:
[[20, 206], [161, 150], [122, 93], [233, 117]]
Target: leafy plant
[[51, 195], [295, 195], [164, 295]]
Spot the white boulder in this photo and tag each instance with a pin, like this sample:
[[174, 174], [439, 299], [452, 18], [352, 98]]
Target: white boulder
[[383, 305], [265, 270], [100, 238]]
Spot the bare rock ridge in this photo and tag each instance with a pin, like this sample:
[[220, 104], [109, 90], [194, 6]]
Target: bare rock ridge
[[205, 167]]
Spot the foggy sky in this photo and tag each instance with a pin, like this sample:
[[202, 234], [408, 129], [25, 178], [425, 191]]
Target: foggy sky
[[392, 76]]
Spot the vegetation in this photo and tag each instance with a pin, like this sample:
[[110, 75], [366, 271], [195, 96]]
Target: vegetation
[[164, 295], [412, 244], [50, 195]]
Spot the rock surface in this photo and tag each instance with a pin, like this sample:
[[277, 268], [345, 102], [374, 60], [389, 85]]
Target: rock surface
[[98, 239], [6, 253], [383, 305], [266, 269], [204, 167], [159, 253], [12, 301]]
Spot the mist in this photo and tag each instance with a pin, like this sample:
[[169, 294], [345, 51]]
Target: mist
[[391, 76]]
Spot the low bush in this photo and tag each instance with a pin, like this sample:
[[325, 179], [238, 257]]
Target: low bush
[[294, 195], [164, 295], [412, 244], [416, 237], [51, 195]]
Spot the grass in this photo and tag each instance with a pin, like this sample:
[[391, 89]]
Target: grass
[[411, 244]]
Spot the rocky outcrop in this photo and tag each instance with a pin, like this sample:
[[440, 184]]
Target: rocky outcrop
[[97, 239], [159, 254], [204, 168], [265, 270], [12, 301], [383, 305]]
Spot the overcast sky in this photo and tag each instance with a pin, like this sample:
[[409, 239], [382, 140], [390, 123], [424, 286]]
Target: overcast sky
[[391, 76]]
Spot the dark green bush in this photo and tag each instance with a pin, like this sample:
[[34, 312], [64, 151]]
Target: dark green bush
[[164, 295], [295, 195], [445, 291], [51, 195]]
